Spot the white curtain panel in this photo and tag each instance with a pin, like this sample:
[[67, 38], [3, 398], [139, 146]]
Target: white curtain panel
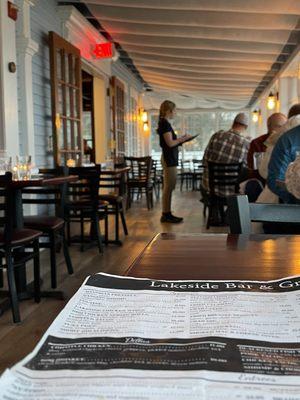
[[214, 52]]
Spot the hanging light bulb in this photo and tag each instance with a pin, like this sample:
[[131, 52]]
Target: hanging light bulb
[[255, 115], [271, 101]]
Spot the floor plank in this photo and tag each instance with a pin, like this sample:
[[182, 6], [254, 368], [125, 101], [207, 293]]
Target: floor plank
[[18, 340]]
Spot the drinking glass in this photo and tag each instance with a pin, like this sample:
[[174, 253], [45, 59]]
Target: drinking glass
[[257, 157], [23, 168], [86, 159], [5, 164]]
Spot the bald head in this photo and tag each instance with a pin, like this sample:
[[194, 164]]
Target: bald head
[[275, 121]]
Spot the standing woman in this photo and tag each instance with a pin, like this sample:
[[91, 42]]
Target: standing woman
[[169, 143]]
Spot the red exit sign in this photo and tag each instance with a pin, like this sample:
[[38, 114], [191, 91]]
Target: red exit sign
[[103, 50]]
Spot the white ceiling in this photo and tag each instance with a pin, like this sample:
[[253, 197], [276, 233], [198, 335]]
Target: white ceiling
[[205, 53]]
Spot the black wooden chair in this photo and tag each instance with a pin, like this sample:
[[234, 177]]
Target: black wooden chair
[[197, 173], [157, 177], [83, 205], [13, 246], [186, 174], [111, 191], [221, 177], [52, 221], [139, 179], [241, 213]]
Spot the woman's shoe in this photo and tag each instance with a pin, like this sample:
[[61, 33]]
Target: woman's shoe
[[168, 217]]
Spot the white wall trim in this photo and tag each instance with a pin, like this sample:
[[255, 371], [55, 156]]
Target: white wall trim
[[9, 135], [26, 48]]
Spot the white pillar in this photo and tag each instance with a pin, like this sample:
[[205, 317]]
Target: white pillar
[[284, 94], [26, 49], [293, 91], [9, 137]]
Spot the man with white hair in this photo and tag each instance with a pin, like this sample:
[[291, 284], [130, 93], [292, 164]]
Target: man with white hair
[[227, 147]]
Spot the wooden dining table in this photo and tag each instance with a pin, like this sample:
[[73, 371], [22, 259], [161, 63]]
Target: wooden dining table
[[173, 256]]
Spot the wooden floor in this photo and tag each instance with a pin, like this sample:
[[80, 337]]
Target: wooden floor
[[17, 340]]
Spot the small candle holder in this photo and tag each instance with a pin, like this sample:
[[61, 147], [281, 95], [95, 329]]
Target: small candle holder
[[71, 163]]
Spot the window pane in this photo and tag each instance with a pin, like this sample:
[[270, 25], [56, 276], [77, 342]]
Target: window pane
[[226, 119], [202, 124]]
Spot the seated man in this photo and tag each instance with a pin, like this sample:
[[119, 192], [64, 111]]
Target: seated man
[[258, 145], [286, 149], [254, 187], [226, 147]]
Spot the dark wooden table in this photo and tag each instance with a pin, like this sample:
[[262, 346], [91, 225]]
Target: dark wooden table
[[221, 256]]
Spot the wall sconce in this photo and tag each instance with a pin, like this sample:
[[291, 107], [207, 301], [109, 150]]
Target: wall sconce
[[146, 126], [144, 116], [144, 119], [271, 102], [255, 115]]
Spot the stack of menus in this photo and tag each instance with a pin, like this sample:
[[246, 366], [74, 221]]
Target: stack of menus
[[124, 338]]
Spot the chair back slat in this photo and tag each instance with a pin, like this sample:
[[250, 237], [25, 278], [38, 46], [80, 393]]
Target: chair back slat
[[241, 213], [87, 185], [140, 167], [48, 195], [221, 175]]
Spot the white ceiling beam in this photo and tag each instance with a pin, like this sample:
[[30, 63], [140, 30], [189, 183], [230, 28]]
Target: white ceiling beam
[[266, 6], [158, 67], [201, 54], [200, 44], [186, 61], [275, 36], [200, 19], [216, 78]]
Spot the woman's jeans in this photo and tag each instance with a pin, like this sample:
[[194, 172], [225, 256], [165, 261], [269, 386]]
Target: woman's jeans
[[170, 175]]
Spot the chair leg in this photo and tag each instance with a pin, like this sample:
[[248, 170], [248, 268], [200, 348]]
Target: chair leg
[[117, 223], [69, 233], [66, 253], [52, 239], [81, 233], [36, 271], [98, 233], [123, 222], [128, 203], [209, 217], [148, 199], [12, 287], [1, 273], [106, 226]]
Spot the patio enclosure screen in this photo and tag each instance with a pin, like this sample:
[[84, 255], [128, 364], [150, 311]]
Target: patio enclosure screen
[[204, 124]]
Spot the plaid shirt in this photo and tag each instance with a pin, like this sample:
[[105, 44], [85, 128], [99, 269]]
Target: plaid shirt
[[224, 147]]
